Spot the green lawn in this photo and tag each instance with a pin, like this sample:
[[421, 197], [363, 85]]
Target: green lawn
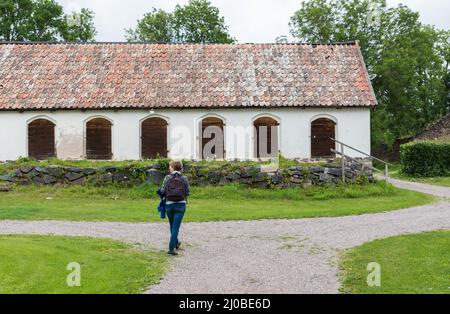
[[12, 166], [395, 172], [443, 181], [38, 264], [418, 263], [206, 204]]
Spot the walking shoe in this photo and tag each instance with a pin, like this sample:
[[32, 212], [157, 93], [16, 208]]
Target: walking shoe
[[172, 253], [178, 245]]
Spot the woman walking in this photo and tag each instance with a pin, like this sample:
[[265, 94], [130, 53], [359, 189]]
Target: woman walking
[[175, 188]]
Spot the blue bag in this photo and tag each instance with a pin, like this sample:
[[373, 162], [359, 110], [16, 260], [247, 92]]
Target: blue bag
[[162, 204]]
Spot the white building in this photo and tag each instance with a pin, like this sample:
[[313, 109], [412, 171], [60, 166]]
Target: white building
[[136, 101]]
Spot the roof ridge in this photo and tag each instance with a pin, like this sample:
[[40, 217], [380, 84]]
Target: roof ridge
[[168, 43], [436, 122]]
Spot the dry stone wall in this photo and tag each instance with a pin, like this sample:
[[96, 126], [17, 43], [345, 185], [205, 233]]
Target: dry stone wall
[[255, 176]]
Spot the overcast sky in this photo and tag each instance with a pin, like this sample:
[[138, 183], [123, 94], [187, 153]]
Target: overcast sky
[[249, 21]]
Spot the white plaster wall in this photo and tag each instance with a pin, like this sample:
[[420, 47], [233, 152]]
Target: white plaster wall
[[353, 128]]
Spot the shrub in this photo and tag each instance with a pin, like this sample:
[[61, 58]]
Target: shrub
[[425, 159]]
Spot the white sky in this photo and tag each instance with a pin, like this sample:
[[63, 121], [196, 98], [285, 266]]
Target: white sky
[[249, 21]]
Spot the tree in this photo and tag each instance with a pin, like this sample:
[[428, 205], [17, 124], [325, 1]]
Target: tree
[[314, 22], [156, 26], [404, 58], [200, 22], [79, 26], [444, 50], [196, 22], [42, 20]]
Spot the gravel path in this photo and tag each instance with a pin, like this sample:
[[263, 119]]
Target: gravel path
[[267, 256], [441, 191]]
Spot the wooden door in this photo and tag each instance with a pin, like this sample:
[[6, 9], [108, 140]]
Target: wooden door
[[266, 133], [218, 150], [153, 138], [322, 132], [98, 139], [41, 139]]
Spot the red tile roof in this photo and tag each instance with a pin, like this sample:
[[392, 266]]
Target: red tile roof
[[439, 129], [140, 75]]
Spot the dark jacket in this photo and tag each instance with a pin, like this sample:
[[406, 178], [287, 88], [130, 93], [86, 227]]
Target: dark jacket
[[162, 204]]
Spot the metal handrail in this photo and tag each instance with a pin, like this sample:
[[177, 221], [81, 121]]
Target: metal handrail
[[361, 152], [386, 164], [357, 161]]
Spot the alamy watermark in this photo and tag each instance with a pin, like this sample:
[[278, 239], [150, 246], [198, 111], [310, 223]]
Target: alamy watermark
[[235, 142], [74, 277], [73, 18], [374, 15], [374, 277]]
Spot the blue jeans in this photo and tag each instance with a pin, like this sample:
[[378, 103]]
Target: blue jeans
[[175, 213]]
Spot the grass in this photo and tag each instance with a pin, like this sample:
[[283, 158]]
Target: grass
[[442, 181], [395, 172], [418, 263], [212, 164], [38, 264], [5, 168], [232, 202]]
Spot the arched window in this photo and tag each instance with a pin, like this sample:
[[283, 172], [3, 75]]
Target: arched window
[[41, 139], [322, 132], [266, 137], [153, 138], [212, 138], [98, 139]]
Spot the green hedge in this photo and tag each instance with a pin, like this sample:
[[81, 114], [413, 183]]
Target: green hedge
[[425, 159]]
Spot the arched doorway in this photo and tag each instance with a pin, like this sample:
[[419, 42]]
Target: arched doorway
[[98, 139], [212, 138], [153, 138], [322, 132], [266, 137], [41, 139]]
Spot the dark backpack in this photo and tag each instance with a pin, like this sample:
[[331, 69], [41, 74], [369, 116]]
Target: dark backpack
[[176, 190]]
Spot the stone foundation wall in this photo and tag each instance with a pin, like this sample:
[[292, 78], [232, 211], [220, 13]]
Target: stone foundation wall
[[255, 176]]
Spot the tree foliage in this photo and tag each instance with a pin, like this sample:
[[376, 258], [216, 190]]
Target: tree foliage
[[79, 26], [407, 61], [156, 26], [196, 22], [43, 20]]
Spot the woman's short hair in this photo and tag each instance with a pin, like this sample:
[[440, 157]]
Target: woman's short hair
[[176, 165]]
